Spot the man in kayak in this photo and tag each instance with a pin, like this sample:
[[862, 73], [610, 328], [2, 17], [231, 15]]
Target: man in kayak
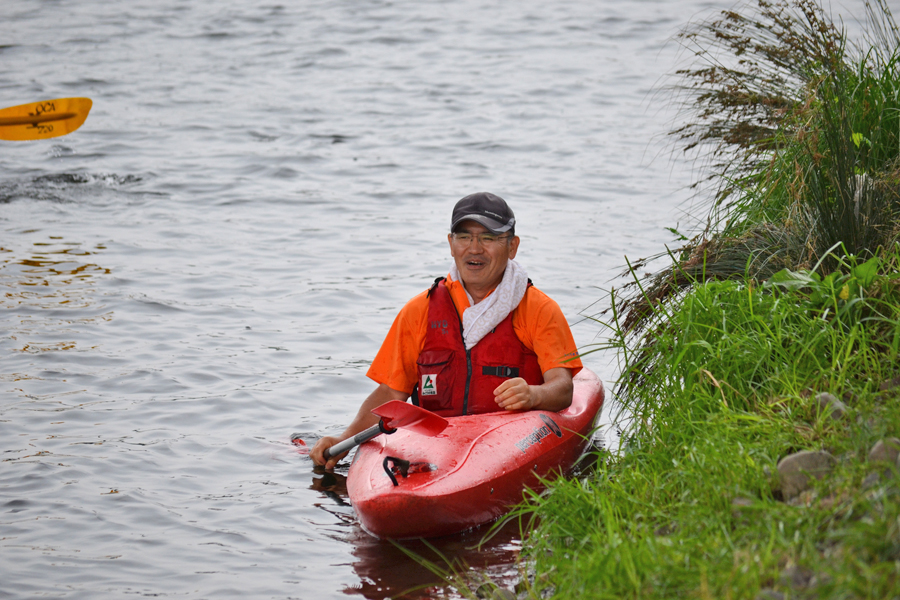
[[480, 340]]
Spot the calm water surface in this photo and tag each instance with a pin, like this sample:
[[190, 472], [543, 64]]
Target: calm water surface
[[209, 264]]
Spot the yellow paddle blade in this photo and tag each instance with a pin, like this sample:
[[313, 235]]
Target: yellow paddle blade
[[41, 120]]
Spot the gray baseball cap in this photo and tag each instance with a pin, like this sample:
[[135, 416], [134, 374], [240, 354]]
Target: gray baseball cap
[[488, 209]]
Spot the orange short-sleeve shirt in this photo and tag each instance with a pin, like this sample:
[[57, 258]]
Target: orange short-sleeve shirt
[[538, 323]]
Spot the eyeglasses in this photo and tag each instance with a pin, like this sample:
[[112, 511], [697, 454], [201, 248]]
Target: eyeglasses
[[486, 239]]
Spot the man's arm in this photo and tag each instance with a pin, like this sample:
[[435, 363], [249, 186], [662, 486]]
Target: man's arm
[[363, 420], [554, 394]]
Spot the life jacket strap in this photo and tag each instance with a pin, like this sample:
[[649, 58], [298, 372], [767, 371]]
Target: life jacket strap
[[507, 372], [435, 284]]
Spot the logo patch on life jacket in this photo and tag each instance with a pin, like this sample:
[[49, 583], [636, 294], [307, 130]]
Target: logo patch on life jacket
[[429, 385]]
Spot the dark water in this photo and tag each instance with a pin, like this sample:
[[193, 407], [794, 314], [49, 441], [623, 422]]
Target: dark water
[[209, 264]]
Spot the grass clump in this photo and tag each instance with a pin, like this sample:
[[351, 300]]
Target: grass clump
[[800, 133], [759, 370], [693, 507]]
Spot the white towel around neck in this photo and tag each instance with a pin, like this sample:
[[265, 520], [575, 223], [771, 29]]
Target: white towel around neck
[[479, 319]]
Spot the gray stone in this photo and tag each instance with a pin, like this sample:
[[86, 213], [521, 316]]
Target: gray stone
[[796, 578], [831, 406], [804, 498], [885, 451], [820, 579], [889, 384], [491, 591], [871, 480], [664, 530], [503, 594], [796, 470], [768, 594], [739, 508]]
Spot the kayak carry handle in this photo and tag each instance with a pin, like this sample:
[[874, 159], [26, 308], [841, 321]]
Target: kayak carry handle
[[399, 464]]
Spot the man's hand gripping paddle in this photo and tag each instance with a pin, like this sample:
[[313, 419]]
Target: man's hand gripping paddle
[[394, 415]]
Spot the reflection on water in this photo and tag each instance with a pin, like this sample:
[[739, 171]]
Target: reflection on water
[[53, 269], [387, 568], [52, 275], [415, 568]]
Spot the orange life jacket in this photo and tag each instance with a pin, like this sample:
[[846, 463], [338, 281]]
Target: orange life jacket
[[453, 381]]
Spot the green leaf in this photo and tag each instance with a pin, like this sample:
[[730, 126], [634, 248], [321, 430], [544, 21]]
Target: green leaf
[[794, 280], [678, 235], [859, 138], [866, 272]]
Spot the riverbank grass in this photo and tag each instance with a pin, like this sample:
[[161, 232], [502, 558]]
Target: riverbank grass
[[695, 506], [759, 370]]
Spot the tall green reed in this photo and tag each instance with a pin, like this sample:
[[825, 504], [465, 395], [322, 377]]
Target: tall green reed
[[800, 130]]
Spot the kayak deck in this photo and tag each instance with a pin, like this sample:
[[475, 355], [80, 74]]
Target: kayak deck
[[406, 485]]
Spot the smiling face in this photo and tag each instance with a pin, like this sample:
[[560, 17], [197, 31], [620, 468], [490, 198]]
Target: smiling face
[[481, 266]]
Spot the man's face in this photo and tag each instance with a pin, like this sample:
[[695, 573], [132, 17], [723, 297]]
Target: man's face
[[481, 266]]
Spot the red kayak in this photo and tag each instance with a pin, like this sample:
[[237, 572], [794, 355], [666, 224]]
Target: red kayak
[[407, 485]]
